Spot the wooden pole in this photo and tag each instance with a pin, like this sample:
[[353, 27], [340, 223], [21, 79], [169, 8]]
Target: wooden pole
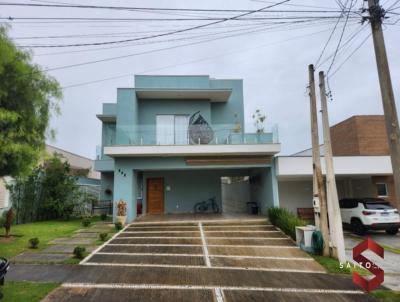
[[335, 219], [385, 82], [323, 218]]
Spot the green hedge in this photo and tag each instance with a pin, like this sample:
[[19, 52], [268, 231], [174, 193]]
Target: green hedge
[[285, 220]]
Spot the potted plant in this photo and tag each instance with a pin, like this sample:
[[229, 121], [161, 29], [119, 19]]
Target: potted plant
[[121, 211], [259, 120], [237, 128]]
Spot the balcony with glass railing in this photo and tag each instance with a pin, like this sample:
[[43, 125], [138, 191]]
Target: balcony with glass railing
[[175, 138]]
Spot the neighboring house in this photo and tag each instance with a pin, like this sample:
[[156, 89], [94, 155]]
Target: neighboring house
[[361, 162], [88, 178], [152, 155], [79, 164], [4, 194]]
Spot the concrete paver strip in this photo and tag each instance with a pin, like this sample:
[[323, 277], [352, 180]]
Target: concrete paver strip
[[65, 294], [147, 259], [278, 264], [162, 229], [247, 241], [152, 249], [76, 241], [156, 241], [178, 276], [40, 257], [259, 227], [86, 235], [64, 248], [262, 296], [187, 234], [257, 251], [248, 234]]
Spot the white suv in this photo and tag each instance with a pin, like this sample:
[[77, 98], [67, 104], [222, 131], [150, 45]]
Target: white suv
[[364, 214]]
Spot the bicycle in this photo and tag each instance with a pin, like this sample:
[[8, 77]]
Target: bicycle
[[206, 205]]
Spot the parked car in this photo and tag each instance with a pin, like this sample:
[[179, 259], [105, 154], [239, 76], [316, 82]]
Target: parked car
[[4, 265], [364, 214]]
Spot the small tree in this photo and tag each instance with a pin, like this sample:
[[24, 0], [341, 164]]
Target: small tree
[[9, 221]]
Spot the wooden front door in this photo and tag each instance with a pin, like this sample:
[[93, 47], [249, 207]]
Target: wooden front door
[[155, 195]]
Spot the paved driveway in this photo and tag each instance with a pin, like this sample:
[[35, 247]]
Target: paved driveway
[[227, 260]]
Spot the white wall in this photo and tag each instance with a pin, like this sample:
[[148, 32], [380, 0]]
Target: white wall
[[295, 194], [292, 166]]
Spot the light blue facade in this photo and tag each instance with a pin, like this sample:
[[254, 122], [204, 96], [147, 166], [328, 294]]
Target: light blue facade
[[131, 121]]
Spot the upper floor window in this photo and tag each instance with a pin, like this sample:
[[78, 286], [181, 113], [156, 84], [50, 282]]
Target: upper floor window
[[382, 190], [172, 129]]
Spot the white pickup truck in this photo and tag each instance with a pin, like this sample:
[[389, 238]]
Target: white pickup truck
[[363, 214]]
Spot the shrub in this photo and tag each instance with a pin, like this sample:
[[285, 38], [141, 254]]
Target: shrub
[[103, 236], [118, 226], [285, 220], [34, 243], [79, 252], [103, 216], [86, 222]]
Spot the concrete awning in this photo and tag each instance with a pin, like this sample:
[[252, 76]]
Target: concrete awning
[[213, 95]]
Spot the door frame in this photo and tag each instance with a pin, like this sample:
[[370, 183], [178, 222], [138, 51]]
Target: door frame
[[147, 193]]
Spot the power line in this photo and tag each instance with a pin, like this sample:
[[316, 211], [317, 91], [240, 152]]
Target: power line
[[65, 20], [189, 62], [276, 26], [393, 5], [329, 39], [340, 39], [351, 54], [347, 42], [168, 33], [154, 8], [144, 52]]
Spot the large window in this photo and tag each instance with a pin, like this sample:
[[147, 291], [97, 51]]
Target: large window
[[172, 129], [382, 189]]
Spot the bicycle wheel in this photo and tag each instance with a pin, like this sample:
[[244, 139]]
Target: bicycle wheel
[[215, 207], [200, 207]]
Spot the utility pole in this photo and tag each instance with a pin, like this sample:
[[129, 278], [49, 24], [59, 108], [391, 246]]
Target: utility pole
[[389, 107], [321, 196], [335, 219]]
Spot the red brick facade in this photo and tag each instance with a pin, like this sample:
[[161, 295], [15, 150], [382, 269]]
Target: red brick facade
[[363, 135], [360, 135]]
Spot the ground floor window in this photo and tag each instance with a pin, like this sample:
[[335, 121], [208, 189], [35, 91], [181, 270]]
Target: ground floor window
[[382, 189]]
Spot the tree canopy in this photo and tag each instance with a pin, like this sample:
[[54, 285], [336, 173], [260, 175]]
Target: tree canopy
[[28, 96]]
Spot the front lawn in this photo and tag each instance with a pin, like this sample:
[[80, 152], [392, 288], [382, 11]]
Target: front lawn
[[44, 230], [385, 295], [25, 291], [333, 266]]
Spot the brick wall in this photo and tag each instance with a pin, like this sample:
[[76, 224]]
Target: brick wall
[[360, 135]]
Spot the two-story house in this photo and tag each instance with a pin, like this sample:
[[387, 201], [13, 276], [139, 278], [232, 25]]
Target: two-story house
[[168, 142]]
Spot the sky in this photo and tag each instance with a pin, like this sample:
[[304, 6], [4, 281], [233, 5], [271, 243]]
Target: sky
[[272, 59]]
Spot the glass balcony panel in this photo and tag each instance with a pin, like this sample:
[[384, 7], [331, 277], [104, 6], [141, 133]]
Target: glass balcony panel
[[151, 135]]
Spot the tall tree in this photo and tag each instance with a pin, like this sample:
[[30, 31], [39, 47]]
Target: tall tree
[[28, 96]]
